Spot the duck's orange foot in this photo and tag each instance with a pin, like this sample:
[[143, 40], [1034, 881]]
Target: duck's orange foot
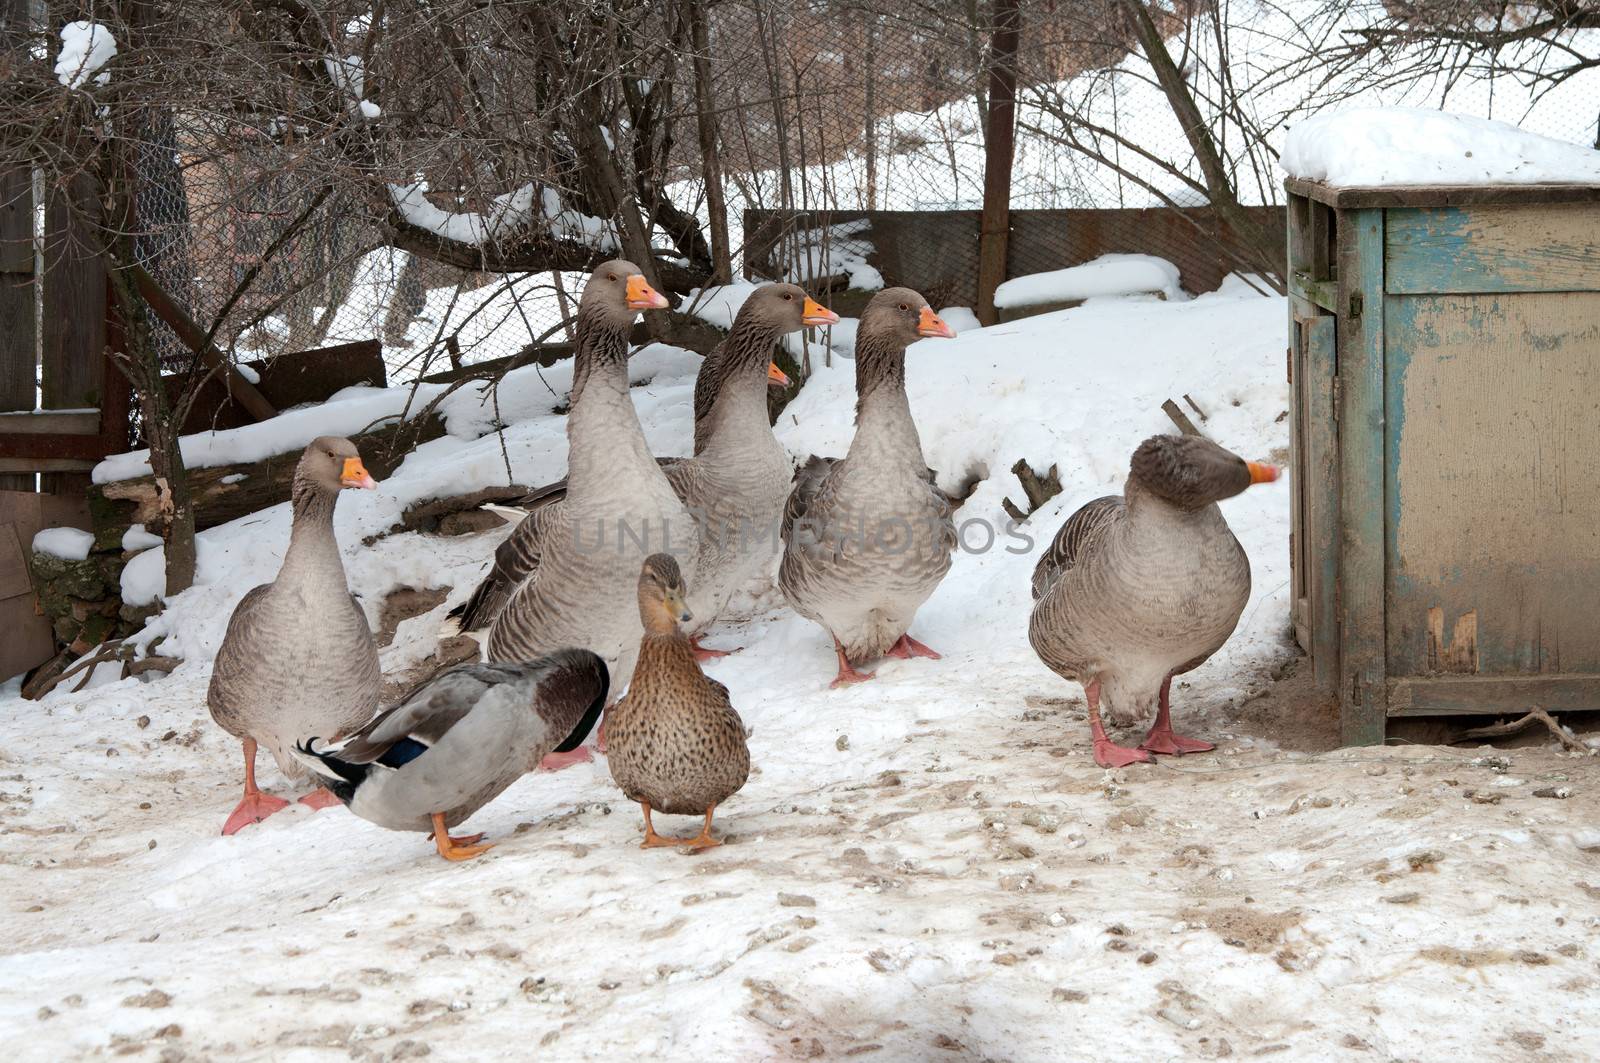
[[470, 839], [455, 849], [1108, 754], [253, 808], [319, 799], [557, 761], [652, 840], [907, 647], [1169, 744]]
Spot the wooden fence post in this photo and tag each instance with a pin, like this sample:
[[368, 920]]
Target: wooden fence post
[[998, 144], [19, 352]]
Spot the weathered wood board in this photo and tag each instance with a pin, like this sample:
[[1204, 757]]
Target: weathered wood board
[[1493, 427], [1543, 248]]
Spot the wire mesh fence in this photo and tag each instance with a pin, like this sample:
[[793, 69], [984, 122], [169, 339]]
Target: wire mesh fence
[[829, 116]]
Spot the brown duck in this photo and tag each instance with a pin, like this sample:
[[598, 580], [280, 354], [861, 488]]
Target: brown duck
[[675, 743]]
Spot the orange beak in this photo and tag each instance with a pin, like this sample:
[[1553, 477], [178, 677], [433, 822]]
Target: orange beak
[[355, 475], [931, 324], [1263, 474], [777, 376], [817, 314], [643, 297]]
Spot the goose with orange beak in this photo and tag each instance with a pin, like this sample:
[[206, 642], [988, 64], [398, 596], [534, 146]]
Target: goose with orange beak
[[298, 659], [735, 484], [567, 575], [1139, 587], [868, 537]]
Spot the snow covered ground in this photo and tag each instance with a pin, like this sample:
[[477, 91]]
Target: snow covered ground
[[928, 866]]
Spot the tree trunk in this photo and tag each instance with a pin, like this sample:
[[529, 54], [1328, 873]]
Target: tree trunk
[[999, 142], [710, 155], [1267, 248], [162, 425]]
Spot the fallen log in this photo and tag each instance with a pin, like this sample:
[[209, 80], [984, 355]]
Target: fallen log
[[226, 492]]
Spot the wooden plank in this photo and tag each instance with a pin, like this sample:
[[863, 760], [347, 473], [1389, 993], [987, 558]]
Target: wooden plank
[[78, 423], [47, 465], [1324, 293], [74, 323], [1320, 493], [1493, 513], [1362, 669], [49, 445], [1535, 248], [1355, 197], [1448, 695], [19, 318]]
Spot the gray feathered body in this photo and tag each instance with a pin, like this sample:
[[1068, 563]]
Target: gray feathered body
[[298, 659], [1131, 591], [458, 741], [619, 508], [735, 489], [867, 538], [675, 741]]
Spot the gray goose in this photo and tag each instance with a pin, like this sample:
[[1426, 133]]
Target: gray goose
[[676, 744], [735, 485], [868, 537], [456, 742], [298, 658], [1139, 587], [579, 590]]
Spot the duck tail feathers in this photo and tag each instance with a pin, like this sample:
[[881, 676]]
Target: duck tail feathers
[[339, 776]]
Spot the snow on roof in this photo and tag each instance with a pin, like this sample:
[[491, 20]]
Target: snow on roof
[[1416, 146], [1106, 275], [71, 544], [85, 48]]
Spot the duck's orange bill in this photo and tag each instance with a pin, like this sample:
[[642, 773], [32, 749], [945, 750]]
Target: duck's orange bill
[[1263, 474], [817, 314], [643, 297], [931, 324], [355, 475], [777, 376]]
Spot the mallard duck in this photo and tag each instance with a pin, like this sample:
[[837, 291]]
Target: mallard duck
[[298, 658], [868, 537], [459, 740], [734, 486], [676, 745], [1139, 587], [583, 552]]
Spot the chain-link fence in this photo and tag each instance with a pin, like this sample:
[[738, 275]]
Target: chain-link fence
[[826, 115]]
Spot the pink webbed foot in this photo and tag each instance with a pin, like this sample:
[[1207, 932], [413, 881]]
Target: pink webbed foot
[[1108, 754], [319, 799], [558, 761], [907, 647], [848, 676], [253, 808], [1169, 744], [704, 653]]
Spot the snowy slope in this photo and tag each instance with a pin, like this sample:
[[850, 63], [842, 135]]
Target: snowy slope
[[928, 866]]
